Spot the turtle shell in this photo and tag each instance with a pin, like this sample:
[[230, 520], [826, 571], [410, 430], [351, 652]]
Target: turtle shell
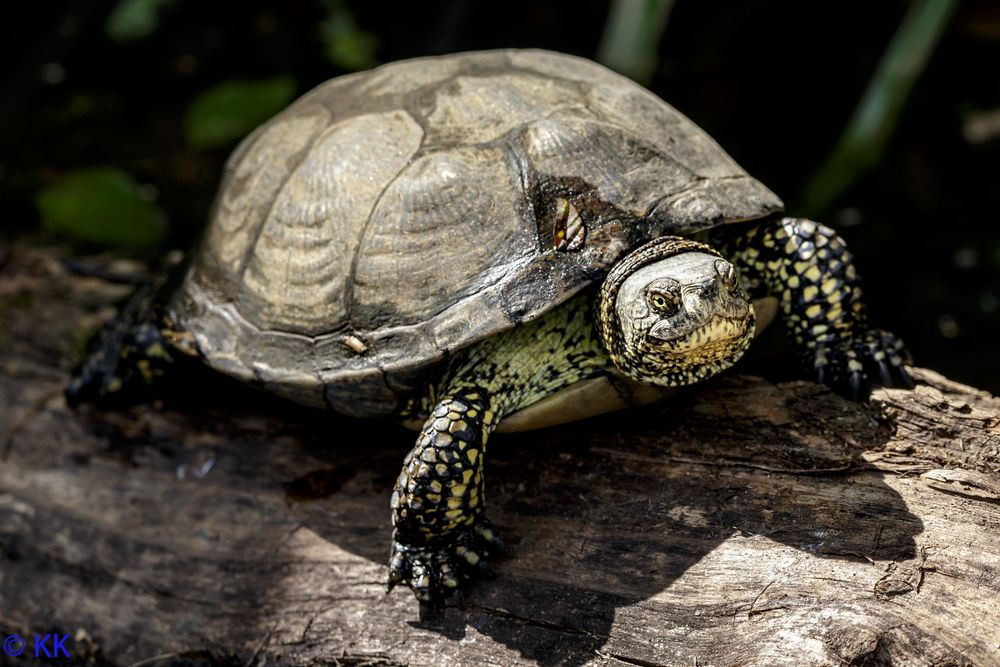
[[389, 218]]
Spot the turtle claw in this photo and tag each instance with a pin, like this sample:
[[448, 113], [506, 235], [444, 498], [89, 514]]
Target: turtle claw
[[436, 571], [885, 374], [905, 380], [459, 597], [488, 535], [857, 385], [884, 353], [486, 571], [399, 571], [854, 366]]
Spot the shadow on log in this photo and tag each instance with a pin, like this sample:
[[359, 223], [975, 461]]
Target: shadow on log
[[743, 522]]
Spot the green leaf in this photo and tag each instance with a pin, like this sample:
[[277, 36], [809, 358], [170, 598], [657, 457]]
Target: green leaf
[[631, 40], [864, 139], [134, 19], [346, 45], [101, 205], [230, 110]]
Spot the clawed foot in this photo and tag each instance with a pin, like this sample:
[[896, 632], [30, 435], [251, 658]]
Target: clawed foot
[[850, 369], [436, 571]]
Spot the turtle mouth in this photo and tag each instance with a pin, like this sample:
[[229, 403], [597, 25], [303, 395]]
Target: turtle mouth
[[709, 349], [718, 332]]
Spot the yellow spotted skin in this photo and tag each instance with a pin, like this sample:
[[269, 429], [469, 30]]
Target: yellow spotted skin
[[441, 534], [809, 268], [129, 355]]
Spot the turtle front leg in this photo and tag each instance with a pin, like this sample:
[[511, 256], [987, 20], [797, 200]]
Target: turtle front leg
[[441, 535], [811, 272]]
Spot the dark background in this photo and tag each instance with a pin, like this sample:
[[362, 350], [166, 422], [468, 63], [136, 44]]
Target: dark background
[[775, 82]]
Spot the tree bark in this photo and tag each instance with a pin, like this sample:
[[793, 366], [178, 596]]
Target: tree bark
[[743, 522]]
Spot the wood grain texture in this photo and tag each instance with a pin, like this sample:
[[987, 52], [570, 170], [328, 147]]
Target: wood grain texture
[[741, 523]]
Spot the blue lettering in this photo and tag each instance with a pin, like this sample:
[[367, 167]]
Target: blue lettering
[[40, 648], [58, 645]]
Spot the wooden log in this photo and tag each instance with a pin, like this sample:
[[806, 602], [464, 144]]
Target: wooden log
[[744, 522]]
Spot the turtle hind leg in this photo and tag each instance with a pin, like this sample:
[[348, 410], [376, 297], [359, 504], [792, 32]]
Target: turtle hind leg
[[126, 357]]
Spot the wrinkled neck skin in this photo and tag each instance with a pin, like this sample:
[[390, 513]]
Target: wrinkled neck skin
[[678, 319]]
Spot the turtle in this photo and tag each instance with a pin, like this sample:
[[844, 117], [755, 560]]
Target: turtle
[[488, 241]]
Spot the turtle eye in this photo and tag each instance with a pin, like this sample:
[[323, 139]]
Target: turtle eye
[[664, 303]]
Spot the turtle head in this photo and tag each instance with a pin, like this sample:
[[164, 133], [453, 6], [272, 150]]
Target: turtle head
[[673, 312]]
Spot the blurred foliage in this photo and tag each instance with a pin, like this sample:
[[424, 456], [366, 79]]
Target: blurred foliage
[[346, 45], [227, 112], [631, 40], [101, 205], [134, 19], [863, 141]]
